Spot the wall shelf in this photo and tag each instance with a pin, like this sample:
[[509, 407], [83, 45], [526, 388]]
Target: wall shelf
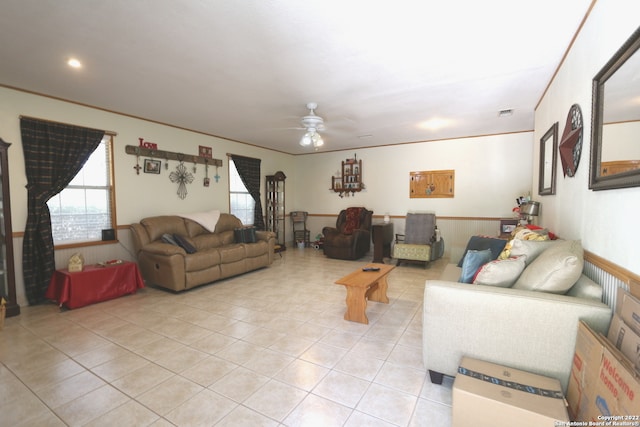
[[171, 155], [350, 179]]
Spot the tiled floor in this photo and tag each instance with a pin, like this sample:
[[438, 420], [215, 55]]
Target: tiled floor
[[266, 348]]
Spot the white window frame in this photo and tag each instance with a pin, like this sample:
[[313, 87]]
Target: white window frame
[[237, 192], [85, 235]]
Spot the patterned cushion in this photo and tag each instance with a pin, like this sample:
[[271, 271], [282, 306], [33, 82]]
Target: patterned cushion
[[352, 221], [412, 252]]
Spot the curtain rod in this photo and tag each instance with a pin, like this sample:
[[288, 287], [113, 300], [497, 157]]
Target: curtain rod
[[107, 132], [240, 155]]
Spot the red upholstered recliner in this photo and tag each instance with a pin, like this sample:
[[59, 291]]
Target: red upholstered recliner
[[351, 237]]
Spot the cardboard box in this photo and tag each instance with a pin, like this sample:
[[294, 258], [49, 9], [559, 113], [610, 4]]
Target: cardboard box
[[602, 382], [625, 340], [628, 307], [486, 394]]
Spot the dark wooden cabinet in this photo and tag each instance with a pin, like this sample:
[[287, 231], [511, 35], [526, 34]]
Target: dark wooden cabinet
[[382, 236], [7, 272]]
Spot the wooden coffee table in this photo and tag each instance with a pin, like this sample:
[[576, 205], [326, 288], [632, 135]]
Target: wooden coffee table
[[362, 285]]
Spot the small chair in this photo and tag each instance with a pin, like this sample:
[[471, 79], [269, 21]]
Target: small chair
[[421, 240], [351, 237], [299, 224]]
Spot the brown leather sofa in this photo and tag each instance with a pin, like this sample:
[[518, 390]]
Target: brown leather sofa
[[216, 256], [343, 243]]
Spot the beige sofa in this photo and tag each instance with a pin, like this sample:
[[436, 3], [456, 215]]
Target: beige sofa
[[525, 329], [217, 255]]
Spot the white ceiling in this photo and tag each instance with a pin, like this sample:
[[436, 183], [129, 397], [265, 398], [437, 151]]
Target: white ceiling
[[244, 70]]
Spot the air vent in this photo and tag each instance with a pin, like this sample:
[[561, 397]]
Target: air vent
[[505, 113]]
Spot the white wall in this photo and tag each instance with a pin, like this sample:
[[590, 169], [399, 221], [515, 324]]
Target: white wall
[[490, 172], [604, 220]]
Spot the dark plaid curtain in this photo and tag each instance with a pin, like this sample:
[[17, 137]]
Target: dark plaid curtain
[[249, 171], [53, 154]]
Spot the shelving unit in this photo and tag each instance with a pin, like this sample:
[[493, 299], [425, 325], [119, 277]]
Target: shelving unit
[[275, 206], [350, 179], [7, 273]]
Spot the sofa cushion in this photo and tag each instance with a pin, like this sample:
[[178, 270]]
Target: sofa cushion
[[232, 253], [481, 243], [530, 248], [207, 241], [202, 260], [473, 260], [158, 225], [555, 270], [253, 250], [586, 288], [502, 272], [184, 243]]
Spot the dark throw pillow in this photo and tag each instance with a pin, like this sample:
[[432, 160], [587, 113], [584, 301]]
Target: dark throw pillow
[[245, 234], [479, 243], [184, 244], [168, 238]]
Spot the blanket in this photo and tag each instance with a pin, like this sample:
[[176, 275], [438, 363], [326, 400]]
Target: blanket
[[419, 228], [207, 219]]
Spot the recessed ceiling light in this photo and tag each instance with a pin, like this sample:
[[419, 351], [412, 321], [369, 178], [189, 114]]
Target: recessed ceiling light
[[505, 113], [435, 123], [74, 63]]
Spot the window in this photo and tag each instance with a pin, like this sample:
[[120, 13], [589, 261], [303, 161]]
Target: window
[[240, 201], [85, 207]]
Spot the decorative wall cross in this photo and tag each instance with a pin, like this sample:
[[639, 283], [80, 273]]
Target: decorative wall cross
[[182, 177]]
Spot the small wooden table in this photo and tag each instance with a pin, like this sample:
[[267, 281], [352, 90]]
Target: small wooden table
[[362, 285]]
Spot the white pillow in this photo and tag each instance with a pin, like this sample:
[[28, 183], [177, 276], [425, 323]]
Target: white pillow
[[555, 270], [531, 248], [502, 272]]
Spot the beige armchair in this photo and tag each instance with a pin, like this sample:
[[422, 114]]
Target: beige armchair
[[420, 241]]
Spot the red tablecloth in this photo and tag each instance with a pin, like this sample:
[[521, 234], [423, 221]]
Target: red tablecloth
[[94, 284]]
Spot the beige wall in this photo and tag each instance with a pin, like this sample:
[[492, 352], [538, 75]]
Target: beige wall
[[490, 171], [604, 220]]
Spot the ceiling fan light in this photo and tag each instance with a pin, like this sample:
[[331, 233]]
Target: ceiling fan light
[[306, 140], [316, 139]]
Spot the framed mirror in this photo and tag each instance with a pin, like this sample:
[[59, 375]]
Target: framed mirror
[[548, 161], [615, 148]]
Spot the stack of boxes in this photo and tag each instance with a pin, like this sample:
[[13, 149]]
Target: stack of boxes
[[605, 377], [603, 390]]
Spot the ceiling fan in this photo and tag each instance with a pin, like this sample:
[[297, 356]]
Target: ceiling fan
[[312, 124]]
